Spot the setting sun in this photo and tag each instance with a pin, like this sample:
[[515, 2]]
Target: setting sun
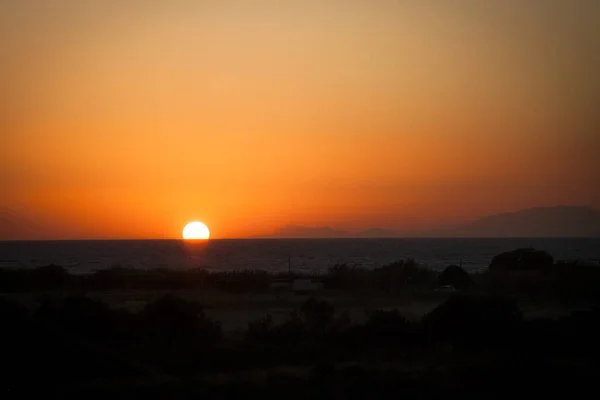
[[196, 230]]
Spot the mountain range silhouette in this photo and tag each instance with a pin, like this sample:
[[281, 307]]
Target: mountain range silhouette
[[558, 221]]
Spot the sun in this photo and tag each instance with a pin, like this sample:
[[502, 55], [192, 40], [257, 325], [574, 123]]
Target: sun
[[195, 230]]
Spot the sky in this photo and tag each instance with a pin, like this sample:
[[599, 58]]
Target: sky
[[127, 119]]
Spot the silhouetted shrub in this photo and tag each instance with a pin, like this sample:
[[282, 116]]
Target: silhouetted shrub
[[521, 260], [400, 273], [241, 281], [86, 317], [563, 280], [389, 278], [341, 323], [14, 279], [455, 276], [115, 278], [293, 329], [575, 280], [46, 354], [572, 337], [472, 320], [340, 270], [50, 277], [317, 314], [383, 330], [261, 329], [343, 276], [71, 339], [171, 318]]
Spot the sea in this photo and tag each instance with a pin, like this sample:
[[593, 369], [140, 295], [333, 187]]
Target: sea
[[312, 256]]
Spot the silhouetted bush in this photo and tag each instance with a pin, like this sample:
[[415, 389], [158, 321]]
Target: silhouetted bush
[[50, 276], [340, 323], [575, 280], [112, 278], [385, 337], [401, 273], [171, 319], [78, 338], [340, 270], [293, 329], [455, 276], [54, 348], [383, 330], [516, 273], [313, 319], [86, 317], [473, 321], [389, 278], [343, 276], [261, 329], [14, 279], [242, 281], [521, 260], [317, 314]]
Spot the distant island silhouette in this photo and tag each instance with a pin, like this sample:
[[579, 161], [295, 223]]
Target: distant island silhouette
[[303, 232], [557, 221]]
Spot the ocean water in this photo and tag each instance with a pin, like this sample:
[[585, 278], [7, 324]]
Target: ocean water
[[302, 255]]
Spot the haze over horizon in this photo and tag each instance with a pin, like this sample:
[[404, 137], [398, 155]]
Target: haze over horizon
[[129, 119]]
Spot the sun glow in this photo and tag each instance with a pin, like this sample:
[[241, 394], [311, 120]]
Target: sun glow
[[195, 231]]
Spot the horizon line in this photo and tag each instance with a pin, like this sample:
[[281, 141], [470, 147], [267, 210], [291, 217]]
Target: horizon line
[[290, 238]]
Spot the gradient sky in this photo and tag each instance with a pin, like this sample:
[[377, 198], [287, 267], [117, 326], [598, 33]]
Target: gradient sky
[[126, 119]]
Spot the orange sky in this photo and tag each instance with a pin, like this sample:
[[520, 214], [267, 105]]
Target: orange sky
[[128, 119]]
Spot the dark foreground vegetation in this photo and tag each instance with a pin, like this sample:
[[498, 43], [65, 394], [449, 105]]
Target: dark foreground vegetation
[[475, 342], [472, 344], [525, 272]]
